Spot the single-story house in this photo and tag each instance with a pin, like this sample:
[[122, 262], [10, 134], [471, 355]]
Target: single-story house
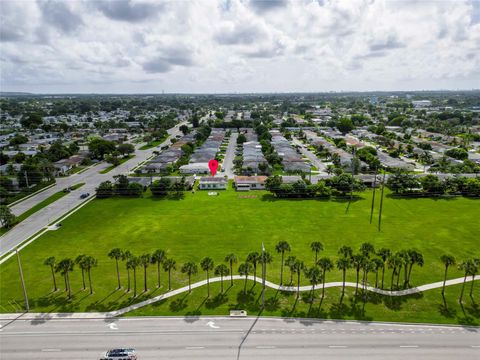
[[195, 168], [246, 183], [212, 183]]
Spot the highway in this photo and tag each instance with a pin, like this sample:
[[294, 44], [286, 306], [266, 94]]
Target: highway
[[50, 213], [230, 338]]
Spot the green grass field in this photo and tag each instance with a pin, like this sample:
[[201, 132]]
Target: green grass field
[[200, 225]]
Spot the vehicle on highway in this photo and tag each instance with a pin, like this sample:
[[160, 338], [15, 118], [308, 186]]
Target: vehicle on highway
[[120, 354], [84, 195]]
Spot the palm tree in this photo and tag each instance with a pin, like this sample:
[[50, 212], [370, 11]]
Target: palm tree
[[253, 258], [405, 258], [314, 275], [245, 269], [475, 266], [190, 268], [416, 258], [116, 254], [326, 265], [127, 255], [357, 262], [50, 261], [132, 263], [316, 247], [221, 270], [266, 259], [384, 254], [377, 264], [297, 268], [168, 266], [366, 249], [145, 260], [64, 267], [345, 251], [87, 263], [207, 264], [281, 247], [447, 260], [289, 263], [394, 262], [231, 259], [468, 267], [78, 260], [343, 264], [368, 266], [157, 258]]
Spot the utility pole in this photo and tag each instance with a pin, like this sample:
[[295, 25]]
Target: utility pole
[[381, 204], [373, 196], [26, 177], [263, 276], [27, 306]]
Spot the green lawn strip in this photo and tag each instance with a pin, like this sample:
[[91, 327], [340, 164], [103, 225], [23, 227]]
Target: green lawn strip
[[121, 161], [427, 307], [200, 225], [27, 193], [41, 205], [153, 143]]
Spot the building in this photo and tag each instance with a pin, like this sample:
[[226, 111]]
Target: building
[[247, 183], [212, 183]]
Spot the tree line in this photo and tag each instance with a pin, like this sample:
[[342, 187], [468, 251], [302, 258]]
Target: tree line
[[364, 262]]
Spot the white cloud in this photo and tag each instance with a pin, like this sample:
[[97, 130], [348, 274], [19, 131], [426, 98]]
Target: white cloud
[[238, 45]]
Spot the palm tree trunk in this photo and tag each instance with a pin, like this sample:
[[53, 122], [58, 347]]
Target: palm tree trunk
[[169, 279], [221, 283], [245, 284], [118, 274], [189, 284], [281, 270], [83, 279], [145, 279], [158, 274], [383, 273], [231, 273], [65, 278], [90, 282], [208, 285], [444, 280], [128, 279], [409, 273], [54, 281], [376, 278], [343, 286], [316, 257], [393, 275], [254, 271], [68, 285], [313, 290], [356, 285], [134, 282], [298, 283], [323, 287], [471, 287], [463, 288], [291, 277]]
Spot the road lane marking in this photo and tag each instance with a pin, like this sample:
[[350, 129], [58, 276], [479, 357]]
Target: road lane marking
[[51, 350], [409, 346], [113, 326], [475, 346], [265, 347], [337, 346], [195, 347]]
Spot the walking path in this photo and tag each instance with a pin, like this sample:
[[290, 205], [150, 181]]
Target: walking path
[[115, 313]]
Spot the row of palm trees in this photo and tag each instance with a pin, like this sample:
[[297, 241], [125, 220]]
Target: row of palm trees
[[364, 262], [65, 266]]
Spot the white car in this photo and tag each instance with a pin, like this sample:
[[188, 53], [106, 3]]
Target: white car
[[120, 354]]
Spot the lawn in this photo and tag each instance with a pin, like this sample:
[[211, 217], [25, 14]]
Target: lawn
[[153, 143], [200, 225], [121, 161]]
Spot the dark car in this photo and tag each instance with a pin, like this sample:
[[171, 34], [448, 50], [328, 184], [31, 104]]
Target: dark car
[[84, 195]]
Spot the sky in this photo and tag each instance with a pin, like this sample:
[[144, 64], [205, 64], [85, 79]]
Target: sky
[[238, 46]]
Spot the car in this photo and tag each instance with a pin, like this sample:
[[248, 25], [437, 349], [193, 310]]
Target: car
[[84, 195], [120, 354]]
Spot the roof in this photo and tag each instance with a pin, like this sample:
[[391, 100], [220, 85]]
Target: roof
[[250, 179], [212, 179]]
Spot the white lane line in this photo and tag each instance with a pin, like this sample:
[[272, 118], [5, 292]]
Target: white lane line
[[409, 346], [51, 350], [195, 347], [475, 346], [337, 346], [265, 347]]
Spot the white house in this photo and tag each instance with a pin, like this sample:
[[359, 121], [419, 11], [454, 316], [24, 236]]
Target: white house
[[247, 183], [212, 183]]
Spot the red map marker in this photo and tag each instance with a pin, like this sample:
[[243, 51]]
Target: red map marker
[[213, 165]]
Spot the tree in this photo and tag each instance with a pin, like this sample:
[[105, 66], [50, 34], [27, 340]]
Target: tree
[[467, 267], [64, 267], [457, 153], [221, 270], [401, 182], [266, 258], [157, 258], [345, 183], [190, 268], [116, 254], [145, 260], [325, 265], [377, 264], [475, 266], [132, 263], [344, 125], [343, 264], [345, 251], [231, 259], [31, 121], [99, 148], [207, 265], [297, 267], [168, 266], [316, 247], [241, 139], [289, 262], [104, 189], [126, 256], [281, 248], [366, 249], [384, 254], [447, 260], [432, 184], [50, 261], [126, 149], [394, 262], [416, 258], [78, 260], [184, 129], [161, 187], [253, 258], [7, 218], [245, 269], [314, 275], [357, 262], [86, 264]]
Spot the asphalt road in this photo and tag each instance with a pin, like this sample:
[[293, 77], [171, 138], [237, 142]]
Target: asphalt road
[[230, 156], [242, 338], [322, 168], [91, 178]]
